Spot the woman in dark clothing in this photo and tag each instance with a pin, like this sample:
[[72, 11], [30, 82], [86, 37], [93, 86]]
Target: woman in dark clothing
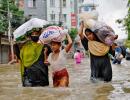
[[34, 72], [100, 65]]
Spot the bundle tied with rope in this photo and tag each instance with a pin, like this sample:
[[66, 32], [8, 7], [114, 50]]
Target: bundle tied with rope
[[103, 32]]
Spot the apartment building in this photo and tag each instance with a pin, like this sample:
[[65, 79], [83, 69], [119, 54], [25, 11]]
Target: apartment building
[[64, 12], [35, 8], [59, 11]]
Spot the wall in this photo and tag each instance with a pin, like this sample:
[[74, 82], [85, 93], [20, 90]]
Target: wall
[[40, 11], [56, 9]]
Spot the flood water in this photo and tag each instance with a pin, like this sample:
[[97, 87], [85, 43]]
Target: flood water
[[80, 88]]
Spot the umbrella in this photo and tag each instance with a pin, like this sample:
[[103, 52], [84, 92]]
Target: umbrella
[[29, 25]]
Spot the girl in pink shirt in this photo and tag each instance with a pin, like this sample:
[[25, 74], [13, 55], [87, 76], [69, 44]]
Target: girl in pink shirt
[[77, 57]]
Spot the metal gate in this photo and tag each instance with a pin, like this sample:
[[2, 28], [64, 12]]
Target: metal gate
[[4, 54]]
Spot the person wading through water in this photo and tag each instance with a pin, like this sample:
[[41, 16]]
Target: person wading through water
[[34, 72], [100, 62]]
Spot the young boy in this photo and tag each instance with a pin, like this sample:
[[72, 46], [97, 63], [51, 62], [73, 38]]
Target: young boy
[[57, 60]]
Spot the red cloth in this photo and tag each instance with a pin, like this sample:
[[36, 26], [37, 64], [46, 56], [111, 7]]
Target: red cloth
[[61, 77]]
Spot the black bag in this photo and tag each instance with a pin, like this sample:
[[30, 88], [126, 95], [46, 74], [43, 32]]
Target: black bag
[[36, 75]]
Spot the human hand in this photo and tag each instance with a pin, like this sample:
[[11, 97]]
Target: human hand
[[82, 24], [47, 63]]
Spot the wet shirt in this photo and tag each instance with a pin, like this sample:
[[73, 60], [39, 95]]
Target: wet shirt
[[60, 62], [118, 53], [118, 50], [77, 57]]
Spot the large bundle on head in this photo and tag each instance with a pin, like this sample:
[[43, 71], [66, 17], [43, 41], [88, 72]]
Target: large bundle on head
[[85, 16], [34, 24], [89, 15], [104, 32], [53, 33]]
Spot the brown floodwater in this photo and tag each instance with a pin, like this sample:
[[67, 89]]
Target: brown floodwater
[[80, 88]]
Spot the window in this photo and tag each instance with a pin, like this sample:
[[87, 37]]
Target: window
[[64, 17], [81, 1], [52, 17], [52, 3], [64, 3], [87, 8], [29, 16], [32, 3]]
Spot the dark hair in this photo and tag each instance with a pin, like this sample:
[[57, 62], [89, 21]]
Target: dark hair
[[78, 50], [48, 49], [59, 43], [88, 30], [115, 44], [94, 33], [29, 33]]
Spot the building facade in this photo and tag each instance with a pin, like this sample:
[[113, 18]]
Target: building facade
[[20, 4], [35, 8], [59, 11], [69, 9], [75, 9], [55, 11]]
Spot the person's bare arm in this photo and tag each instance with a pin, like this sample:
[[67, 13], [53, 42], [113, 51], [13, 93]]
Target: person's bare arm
[[80, 32], [84, 40], [69, 45]]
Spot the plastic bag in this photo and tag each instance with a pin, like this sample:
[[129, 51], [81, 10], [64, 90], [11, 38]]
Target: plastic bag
[[90, 23], [89, 15], [53, 33]]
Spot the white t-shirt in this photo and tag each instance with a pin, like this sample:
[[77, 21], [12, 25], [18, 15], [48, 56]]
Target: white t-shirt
[[60, 63]]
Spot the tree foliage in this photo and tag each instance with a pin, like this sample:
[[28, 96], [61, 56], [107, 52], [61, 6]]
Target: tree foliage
[[73, 33], [15, 15], [127, 20]]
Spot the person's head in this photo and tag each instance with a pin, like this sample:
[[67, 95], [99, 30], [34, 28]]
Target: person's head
[[89, 34], [78, 51], [114, 45], [35, 35], [55, 46]]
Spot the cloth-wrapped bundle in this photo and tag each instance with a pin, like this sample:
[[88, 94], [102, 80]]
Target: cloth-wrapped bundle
[[98, 48], [104, 32], [89, 15]]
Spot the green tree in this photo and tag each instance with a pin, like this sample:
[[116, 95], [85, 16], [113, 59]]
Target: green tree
[[127, 20], [73, 33], [127, 25], [15, 15]]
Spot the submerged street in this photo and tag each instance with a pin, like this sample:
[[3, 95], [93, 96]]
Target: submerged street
[[81, 88]]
